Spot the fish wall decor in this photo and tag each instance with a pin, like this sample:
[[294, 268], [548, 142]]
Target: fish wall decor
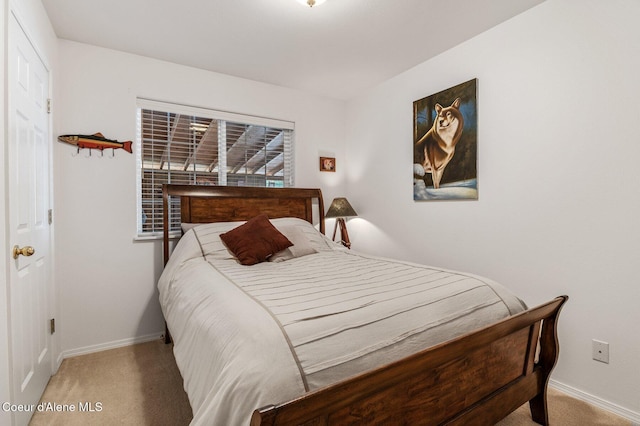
[[95, 141]]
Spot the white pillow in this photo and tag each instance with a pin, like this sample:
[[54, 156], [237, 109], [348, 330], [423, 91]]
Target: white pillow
[[316, 240], [301, 246], [188, 226], [208, 235]]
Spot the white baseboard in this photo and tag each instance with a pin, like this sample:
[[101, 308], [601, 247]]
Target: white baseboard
[[598, 402], [58, 363], [111, 345]]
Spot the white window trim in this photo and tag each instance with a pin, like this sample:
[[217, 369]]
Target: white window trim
[[144, 103]]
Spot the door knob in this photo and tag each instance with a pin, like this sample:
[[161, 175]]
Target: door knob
[[25, 251]]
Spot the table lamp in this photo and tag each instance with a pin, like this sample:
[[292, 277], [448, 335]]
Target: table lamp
[[340, 209]]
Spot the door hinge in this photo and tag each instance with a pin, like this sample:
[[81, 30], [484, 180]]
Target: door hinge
[[49, 106], [50, 214], [52, 325]]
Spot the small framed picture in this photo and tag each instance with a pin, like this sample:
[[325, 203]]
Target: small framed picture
[[327, 164]]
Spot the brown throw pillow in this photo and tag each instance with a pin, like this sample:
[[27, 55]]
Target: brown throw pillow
[[254, 241]]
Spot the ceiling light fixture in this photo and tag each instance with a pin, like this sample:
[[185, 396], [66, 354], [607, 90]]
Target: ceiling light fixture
[[311, 3]]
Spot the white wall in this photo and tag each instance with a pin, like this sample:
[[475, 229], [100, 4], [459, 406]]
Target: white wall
[[557, 170], [108, 281]]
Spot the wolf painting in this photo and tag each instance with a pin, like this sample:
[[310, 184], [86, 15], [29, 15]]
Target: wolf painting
[[445, 144]]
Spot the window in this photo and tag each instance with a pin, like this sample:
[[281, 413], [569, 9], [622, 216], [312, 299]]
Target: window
[[186, 145]]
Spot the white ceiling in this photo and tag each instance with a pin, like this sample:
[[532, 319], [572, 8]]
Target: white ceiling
[[337, 49]]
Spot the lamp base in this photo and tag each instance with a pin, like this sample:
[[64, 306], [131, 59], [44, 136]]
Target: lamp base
[[344, 235]]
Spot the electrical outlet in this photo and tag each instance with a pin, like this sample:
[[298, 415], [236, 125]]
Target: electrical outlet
[[601, 351]]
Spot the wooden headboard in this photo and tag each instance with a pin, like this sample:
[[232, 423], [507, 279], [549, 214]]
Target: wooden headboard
[[206, 204]]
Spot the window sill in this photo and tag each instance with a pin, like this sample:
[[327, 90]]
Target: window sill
[[155, 237]]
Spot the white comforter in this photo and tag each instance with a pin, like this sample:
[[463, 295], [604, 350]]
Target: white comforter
[[249, 336]]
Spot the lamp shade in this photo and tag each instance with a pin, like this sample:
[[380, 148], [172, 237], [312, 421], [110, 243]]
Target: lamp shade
[[340, 207]]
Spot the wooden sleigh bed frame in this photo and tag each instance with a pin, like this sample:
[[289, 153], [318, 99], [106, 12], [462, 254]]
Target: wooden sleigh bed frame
[[476, 379]]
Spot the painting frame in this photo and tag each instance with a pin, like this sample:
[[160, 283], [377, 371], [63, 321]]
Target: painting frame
[[327, 164], [445, 144]]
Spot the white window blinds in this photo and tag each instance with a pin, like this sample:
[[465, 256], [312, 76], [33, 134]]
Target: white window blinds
[[186, 145]]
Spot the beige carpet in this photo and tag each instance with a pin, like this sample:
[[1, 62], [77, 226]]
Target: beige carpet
[[141, 385], [135, 385]]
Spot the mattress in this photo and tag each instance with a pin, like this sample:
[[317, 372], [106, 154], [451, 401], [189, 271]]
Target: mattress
[[249, 336]]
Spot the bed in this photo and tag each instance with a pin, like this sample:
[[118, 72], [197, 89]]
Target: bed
[[319, 334]]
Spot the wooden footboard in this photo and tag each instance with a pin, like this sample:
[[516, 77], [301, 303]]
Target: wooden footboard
[[476, 379]]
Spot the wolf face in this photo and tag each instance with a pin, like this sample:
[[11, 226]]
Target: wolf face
[[436, 148]]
